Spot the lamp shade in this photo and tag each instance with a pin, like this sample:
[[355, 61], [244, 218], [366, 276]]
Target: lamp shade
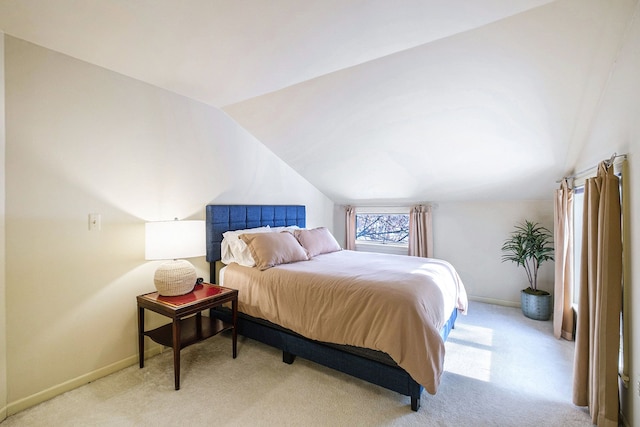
[[174, 239], [171, 240]]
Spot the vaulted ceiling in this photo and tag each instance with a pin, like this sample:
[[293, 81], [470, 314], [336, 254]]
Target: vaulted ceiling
[[369, 100]]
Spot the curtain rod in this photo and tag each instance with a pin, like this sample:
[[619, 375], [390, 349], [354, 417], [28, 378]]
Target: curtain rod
[[608, 162], [390, 206]]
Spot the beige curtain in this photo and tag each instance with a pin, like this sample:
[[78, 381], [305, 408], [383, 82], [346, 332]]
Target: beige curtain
[[350, 220], [595, 381], [420, 232], [563, 237]]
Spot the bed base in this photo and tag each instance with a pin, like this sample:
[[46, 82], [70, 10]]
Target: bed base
[[340, 358]]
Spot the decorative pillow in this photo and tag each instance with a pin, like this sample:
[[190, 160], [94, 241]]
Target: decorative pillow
[[234, 249], [271, 249], [317, 241]]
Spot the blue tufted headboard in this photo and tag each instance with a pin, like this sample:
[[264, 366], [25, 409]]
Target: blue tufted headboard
[[221, 218]]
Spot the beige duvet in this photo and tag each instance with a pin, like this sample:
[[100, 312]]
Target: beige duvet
[[392, 303]]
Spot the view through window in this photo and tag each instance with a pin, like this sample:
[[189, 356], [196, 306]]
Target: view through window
[[382, 228], [578, 207]]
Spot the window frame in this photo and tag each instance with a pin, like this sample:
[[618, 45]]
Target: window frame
[[393, 248]]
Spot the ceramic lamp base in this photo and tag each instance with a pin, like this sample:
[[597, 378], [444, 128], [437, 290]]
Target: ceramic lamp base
[[176, 277]]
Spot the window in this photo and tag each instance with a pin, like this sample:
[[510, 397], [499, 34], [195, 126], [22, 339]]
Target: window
[[578, 206], [578, 212], [382, 228]]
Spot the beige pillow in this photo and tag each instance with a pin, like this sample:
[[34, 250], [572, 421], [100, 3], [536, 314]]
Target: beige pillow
[[271, 249], [317, 241]]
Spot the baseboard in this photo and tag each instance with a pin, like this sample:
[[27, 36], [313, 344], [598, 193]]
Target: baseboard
[[494, 301], [42, 396], [3, 414]]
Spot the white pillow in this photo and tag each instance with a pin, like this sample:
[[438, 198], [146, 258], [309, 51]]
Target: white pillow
[[289, 228], [233, 249]]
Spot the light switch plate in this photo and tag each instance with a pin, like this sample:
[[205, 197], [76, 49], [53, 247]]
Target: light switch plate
[[94, 222]]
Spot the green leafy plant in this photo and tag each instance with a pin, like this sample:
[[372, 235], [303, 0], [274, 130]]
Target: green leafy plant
[[529, 245]]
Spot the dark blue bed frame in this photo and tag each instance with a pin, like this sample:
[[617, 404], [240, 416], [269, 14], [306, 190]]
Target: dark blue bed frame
[[369, 365]]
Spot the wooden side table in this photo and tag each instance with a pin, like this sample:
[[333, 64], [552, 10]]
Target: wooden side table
[[188, 325]]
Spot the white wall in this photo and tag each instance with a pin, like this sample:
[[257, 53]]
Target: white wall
[[81, 139], [3, 323], [470, 235], [616, 128]]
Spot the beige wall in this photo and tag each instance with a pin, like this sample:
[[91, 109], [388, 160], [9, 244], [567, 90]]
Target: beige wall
[[616, 128], [81, 139], [3, 324]]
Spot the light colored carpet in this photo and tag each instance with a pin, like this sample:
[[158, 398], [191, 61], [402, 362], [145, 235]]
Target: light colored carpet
[[501, 369]]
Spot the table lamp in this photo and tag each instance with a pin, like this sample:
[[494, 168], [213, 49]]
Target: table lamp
[[172, 240]]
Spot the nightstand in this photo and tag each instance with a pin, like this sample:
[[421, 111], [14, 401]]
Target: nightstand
[[188, 325]]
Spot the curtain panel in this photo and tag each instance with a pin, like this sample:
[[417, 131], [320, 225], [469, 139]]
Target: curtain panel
[[350, 221], [420, 232], [595, 381], [563, 237]]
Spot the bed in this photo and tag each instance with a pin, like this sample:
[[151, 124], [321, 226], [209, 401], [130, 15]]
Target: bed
[[376, 355]]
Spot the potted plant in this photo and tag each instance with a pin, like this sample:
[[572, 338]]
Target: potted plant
[[529, 246]]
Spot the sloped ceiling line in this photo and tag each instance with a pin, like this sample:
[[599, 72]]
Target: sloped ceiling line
[[613, 35], [369, 100]]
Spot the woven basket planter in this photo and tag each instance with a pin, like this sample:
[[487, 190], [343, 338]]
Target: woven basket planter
[[536, 307]]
